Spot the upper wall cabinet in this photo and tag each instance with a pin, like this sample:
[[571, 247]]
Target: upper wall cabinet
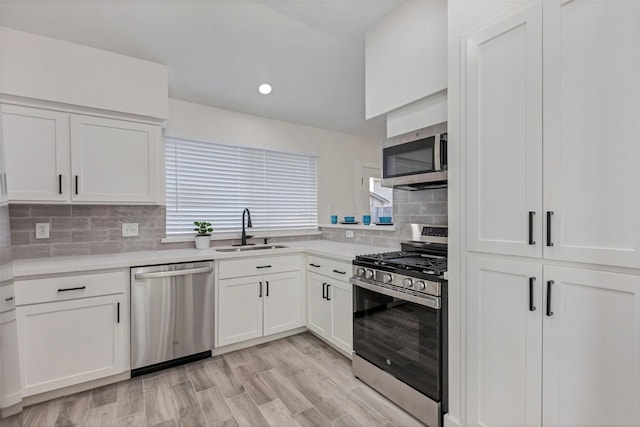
[[57, 157], [406, 56], [579, 200]]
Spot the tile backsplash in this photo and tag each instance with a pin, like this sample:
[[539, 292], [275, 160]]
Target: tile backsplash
[[421, 206]]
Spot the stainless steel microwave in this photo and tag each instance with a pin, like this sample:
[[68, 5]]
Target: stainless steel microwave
[[416, 160]]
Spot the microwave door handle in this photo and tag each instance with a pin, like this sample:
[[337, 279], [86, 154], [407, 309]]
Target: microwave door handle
[[437, 165], [443, 154]]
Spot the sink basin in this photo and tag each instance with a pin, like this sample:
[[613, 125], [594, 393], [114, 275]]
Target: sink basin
[[251, 248]]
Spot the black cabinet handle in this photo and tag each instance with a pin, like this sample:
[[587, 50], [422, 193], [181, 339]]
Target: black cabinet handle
[[59, 184], [8, 299], [267, 282], [324, 291], [339, 272], [531, 241], [532, 306], [79, 288], [328, 286], [443, 154], [76, 184], [260, 291], [118, 313], [314, 265], [263, 266], [549, 312], [549, 214]]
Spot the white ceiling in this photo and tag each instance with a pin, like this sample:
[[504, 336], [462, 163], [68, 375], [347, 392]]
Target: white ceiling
[[218, 52]]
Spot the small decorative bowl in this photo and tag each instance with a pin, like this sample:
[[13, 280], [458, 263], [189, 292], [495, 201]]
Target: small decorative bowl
[[385, 219], [349, 219]]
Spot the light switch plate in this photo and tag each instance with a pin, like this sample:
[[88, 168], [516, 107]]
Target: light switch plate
[[42, 230], [349, 234], [129, 229]]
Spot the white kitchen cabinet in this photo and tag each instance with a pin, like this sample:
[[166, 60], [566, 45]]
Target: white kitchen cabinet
[[114, 160], [11, 387], [330, 301], [70, 158], [587, 209], [36, 144], [257, 305], [568, 357], [504, 131], [72, 329]]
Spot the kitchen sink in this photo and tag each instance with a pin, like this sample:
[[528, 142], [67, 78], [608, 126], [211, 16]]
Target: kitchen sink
[[250, 248]]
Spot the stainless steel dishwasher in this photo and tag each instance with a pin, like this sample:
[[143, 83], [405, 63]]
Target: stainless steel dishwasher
[[172, 315]]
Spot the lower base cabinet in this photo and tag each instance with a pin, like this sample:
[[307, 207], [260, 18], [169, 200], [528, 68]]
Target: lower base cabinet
[[10, 387], [551, 346]]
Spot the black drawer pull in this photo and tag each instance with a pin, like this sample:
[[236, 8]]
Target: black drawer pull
[[267, 282], [324, 291], [263, 266], [531, 241], [532, 306], [79, 288], [328, 286], [549, 312], [549, 214], [9, 299], [60, 184], [260, 291], [314, 265], [76, 184], [118, 312], [339, 272]]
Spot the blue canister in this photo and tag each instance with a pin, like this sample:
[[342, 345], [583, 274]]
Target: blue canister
[[334, 219], [366, 219]]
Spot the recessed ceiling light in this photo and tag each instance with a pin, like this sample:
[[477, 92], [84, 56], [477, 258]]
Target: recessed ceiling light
[[264, 88]]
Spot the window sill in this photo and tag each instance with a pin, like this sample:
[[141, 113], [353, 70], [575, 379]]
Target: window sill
[[256, 235], [360, 227]]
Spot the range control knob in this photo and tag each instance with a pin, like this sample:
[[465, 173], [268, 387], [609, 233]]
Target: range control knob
[[387, 278], [361, 271], [420, 285], [370, 274], [407, 283]]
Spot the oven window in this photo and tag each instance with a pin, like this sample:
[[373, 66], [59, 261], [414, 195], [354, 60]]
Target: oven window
[[399, 337], [410, 158]]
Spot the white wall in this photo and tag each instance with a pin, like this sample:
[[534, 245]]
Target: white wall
[[42, 68], [463, 17], [337, 152]]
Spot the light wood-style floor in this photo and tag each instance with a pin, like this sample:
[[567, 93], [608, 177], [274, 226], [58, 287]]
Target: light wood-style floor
[[296, 381]]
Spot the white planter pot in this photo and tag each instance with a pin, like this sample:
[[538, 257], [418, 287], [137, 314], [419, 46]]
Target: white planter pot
[[202, 242]]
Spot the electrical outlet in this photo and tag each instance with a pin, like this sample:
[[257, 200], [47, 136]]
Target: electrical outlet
[[349, 234], [129, 229], [42, 230]]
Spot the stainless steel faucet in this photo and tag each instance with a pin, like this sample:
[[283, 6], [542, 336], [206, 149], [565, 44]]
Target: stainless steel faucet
[[244, 233]]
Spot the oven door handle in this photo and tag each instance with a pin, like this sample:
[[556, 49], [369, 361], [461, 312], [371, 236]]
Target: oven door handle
[[426, 300]]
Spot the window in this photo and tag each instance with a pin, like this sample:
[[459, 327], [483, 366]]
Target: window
[[215, 182]]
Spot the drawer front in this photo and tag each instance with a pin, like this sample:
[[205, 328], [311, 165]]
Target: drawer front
[[257, 266], [7, 297], [60, 288], [330, 268]]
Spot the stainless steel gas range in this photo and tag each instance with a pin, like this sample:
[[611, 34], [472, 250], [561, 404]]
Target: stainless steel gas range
[[400, 322]]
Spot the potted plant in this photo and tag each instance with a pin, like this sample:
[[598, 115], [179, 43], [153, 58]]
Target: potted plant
[[203, 238]]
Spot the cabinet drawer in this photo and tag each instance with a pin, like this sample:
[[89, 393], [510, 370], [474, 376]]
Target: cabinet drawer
[[255, 266], [7, 297], [330, 268], [33, 291]]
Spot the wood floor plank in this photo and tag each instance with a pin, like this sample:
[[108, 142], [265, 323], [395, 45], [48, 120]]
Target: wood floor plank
[[311, 418], [44, 414], [235, 358], [286, 391], [157, 400], [277, 414], [186, 406], [101, 416], [304, 346], [201, 376], [346, 421], [246, 412], [225, 378], [136, 419], [215, 408], [168, 423], [385, 407], [16, 420], [104, 395], [362, 413], [285, 366], [72, 411], [321, 394], [130, 397], [253, 355], [177, 375], [253, 384]]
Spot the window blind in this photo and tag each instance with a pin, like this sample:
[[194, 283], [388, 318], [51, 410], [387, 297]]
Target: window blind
[[215, 182]]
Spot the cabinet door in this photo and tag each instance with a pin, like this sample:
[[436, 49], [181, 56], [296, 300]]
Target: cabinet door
[[239, 309], [591, 126], [504, 136], [36, 145], [282, 305], [70, 342], [10, 386], [591, 347], [319, 309], [114, 160], [504, 342], [339, 293]]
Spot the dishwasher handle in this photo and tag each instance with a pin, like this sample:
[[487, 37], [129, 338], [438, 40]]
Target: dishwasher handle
[[173, 273]]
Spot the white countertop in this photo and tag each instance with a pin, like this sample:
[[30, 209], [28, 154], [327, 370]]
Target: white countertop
[[73, 264]]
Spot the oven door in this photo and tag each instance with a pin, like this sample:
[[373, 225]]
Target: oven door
[[400, 335]]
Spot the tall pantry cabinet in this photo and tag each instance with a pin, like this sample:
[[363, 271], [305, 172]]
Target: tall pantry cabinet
[[551, 122]]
